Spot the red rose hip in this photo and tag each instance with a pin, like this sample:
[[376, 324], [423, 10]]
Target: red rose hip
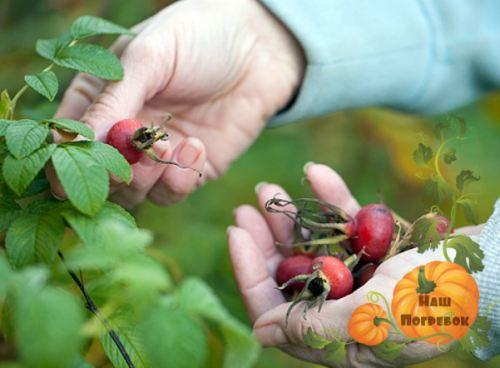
[[292, 267], [121, 137]]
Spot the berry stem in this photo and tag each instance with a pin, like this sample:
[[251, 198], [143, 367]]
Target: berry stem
[[92, 308]]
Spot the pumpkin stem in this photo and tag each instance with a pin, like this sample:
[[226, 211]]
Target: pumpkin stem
[[425, 286]]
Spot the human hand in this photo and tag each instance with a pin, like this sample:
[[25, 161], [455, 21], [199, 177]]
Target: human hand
[[255, 259], [221, 68]]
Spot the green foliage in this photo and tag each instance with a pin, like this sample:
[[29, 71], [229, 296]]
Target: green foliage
[[85, 182], [112, 160], [45, 83], [72, 126], [468, 253], [88, 26], [20, 173], [388, 350], [477, 336], [425, 233], [465, 177], [9, 211], [422, 155], [314, 340], [24, 137]]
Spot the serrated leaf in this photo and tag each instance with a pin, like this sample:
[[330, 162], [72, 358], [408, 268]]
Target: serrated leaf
[[315, 341], [422, 155], [241, 349], [4, 124], [88, 26], [34, 237], [111, 159], [388, 350], [425, 233], [90, 59], [9, 211], [129, 337], [55, 339], [171, 335], [24, 137], [477, 336], [469, 210], [44, 83], [19, 173], [335, 352], [85, 182], [5, 103], [87, 228], [465, 177], [450, 155], [72, 126], [468, 253]]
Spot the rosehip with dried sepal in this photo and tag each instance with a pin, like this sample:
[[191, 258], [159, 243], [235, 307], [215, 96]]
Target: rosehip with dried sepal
[[132, 140], [328, 278], [292, 267]]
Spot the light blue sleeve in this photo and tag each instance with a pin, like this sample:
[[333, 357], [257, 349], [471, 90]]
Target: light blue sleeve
[[424, 56], [488, 281]]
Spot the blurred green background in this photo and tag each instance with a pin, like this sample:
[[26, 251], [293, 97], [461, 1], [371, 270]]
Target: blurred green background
[[371, 148]]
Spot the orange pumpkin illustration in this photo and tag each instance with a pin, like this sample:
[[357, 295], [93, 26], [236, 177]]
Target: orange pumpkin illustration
[[438, 298], [366, 326]]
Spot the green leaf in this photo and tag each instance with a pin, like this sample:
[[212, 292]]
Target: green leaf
[[388, 350], [85, 182], [314, 340], [72, 126], [129, 337], [24, 137], [87, 228], [5, 272], [88, 26], [425, 233], [9, 211], [195, 297], [477, 336], [465, 177], [55, 339], [450, 155], [8, 329], [170, 336], [469, 210], [422, 155], [5, 103], [335, 352], [19, 173], [35, 236], [48, 49], [111, 159], [44, 83], [4, 124], [90, 59], [438, 189], [468, 253]]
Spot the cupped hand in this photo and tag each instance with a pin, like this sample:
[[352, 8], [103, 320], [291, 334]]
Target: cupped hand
[[221, 68], [255, 259]]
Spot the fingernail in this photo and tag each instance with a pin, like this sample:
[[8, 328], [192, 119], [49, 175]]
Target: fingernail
[[188, 153], [229, 228], [307, 166], [271, 335], [259, 186], [57, 196]]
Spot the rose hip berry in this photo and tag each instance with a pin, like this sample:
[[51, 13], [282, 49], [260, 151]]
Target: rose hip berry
[[132, 139], [365, 273], [293, 267], [121, 135], [327, 278], [375, 226]]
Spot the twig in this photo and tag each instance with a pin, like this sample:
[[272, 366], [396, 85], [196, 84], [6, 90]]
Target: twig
[[92, 307]]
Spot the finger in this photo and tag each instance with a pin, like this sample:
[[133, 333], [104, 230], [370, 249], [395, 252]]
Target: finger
[[281, 226], [249, 219], [328, 186], [176, 183], [257, 287]]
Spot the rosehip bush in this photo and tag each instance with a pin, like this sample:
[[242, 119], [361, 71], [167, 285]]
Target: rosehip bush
[[76, 275]]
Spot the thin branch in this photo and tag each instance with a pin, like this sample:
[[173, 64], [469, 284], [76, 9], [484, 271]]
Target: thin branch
[[92, 307]]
